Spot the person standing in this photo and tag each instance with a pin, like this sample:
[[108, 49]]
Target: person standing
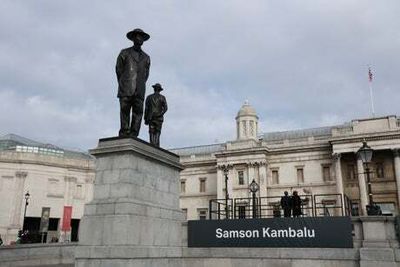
[[286, 204], [156, 106], [132, 69], [296, 204]]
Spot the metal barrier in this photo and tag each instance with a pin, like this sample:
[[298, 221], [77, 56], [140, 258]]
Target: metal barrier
[[244, 208], [328, 205], [267, 207], [271, 206], [220, 209], [348, 205]]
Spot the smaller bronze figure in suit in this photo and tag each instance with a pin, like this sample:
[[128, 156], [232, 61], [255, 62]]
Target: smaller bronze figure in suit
[[156, 106]]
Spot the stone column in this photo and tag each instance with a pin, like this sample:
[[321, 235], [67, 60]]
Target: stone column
[[70, 183], [262, 167], [231, 177], [362, 186], [20, 177], [338, 173], [339, 178], [396, 154], [250, 172], [220, 182], [69, 189]]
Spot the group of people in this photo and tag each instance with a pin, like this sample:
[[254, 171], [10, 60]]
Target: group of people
[[291, 205]]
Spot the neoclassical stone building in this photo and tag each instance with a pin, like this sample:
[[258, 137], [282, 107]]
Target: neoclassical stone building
[[314, 162], [54, 178]]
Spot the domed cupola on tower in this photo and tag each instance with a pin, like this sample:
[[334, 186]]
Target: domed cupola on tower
[[247, 122]]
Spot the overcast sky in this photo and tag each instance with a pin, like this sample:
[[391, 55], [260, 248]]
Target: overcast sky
[[301, 64]]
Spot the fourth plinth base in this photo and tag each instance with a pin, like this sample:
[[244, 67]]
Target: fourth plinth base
[[134, 218]]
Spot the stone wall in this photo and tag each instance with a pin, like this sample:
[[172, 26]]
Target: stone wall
[[375, 245], [62, 255]]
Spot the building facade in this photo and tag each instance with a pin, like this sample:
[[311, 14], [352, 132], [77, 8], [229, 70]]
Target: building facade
[[54, 178], [321, 163]]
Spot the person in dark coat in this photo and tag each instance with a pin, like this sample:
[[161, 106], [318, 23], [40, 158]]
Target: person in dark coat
[[132, 70], [286, 204], [156, 106], [296, 204]]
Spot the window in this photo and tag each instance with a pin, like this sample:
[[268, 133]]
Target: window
[[183, 186], [185, 213], [387, 208], [300, 175], [326, 173], [53, 224], [275, 177], [379, 170], [202, 185], [355, 209], [351, 174], [251, 128], [241, 177], [202, 213]]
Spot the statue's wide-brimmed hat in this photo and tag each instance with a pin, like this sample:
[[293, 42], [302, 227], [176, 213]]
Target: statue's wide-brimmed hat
[[158, 87], [131, 34]]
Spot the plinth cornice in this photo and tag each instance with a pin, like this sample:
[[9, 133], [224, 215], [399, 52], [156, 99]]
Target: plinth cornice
[[113, 145]]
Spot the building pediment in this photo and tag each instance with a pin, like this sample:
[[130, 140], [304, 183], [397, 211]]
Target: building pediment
[[377, 141]]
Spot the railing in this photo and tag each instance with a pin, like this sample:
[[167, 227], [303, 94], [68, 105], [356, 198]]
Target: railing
[[267, 207], [329, 205], [244, 208], [271, 206], [220, 210]]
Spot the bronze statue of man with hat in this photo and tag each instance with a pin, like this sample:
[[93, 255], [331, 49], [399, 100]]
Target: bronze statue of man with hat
[[132, 70], [156, 106]]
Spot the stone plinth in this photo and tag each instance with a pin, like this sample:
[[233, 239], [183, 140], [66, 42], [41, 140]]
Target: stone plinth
[[135, 210]]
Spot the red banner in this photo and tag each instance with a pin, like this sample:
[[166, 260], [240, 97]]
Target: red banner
[[66, 223]]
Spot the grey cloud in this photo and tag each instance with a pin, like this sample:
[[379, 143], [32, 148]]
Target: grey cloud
[[300, 63]]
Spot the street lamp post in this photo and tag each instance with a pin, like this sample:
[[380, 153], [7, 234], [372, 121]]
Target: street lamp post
[[254, 187], [365, 154], [226, 171], [27, 196]]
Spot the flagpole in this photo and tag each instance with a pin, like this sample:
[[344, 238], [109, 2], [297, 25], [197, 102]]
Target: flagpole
[[372, 100], [370, 77]]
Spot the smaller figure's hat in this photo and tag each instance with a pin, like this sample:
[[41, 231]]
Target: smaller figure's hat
[[131, 34], [158, 86]]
